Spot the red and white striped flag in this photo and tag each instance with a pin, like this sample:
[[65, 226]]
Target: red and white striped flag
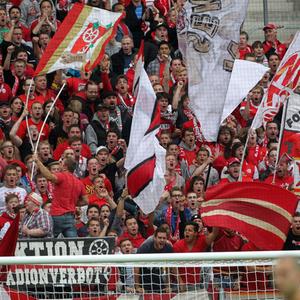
[[145, 158], [259, 211], [80, 41], [284, 81]]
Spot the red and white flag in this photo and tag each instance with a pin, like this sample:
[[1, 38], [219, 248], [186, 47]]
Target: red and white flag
[[245, 75], [208, 36], [283, 83], [290, 142], [261, 212], [145, 158], [81, 39]]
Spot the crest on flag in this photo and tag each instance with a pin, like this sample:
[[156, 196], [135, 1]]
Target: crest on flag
[[80, 41]]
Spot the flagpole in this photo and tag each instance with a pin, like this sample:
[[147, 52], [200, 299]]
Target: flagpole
[[207, 177], [43, 125], [26, 118], [280, 137], [244, 154]]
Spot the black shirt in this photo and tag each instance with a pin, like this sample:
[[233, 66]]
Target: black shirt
[[292, 242]]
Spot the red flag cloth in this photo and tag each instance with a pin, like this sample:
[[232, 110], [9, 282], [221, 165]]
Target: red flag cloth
[[261, 212], [9, 239], [9, 231]]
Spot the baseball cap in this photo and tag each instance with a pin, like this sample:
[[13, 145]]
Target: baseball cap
[[195, 217], [233, 160], [4, 103], [270, 26], [101, 148], [162, 24], [35, 198], [102, 106]]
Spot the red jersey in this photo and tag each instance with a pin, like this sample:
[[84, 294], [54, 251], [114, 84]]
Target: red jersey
[[5, 92], [88, 184], [245, 51], [135, 240], [76, 86], [280, 48], [85, 150], [22, 131], [30, 101], [66, 193], [190, 275], [49, 95], [226, 243], [256, 154], [284, 182], [94, 199], [89, 187], [188, 155]]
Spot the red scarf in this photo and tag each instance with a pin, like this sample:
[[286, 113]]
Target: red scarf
[[16, 85]]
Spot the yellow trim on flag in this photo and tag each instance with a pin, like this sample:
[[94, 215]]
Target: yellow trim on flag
[[249, 220], [266, 204], [99, 46], [70, 36]]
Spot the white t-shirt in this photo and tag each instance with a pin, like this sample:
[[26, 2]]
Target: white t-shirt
[[4, 191]]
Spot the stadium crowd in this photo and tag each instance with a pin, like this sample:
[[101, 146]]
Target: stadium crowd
[[78, 186]]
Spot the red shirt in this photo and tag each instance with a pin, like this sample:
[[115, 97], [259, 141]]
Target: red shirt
[[284, 182], [21, 133], [94, 199], [76, 85], [49, 95], [88, 184], [280, 48], [256, 154], [30, 101], [135, 240], [89, 187], [190, 275], [5, 92], [225, 243], [188, 155], [85, 150], [66, 193], [245, 51]]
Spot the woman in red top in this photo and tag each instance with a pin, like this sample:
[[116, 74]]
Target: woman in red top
[[16, 106], [222, 150], [193, 242]]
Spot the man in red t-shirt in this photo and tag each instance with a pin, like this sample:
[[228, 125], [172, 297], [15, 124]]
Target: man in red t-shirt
[[282, 177], [244, 48], [271, 44], [36, 114], [68, 193], [193, 242], [132, 232]]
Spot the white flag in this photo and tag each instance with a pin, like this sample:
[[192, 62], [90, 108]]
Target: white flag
[[284, 81], [245, 75], [145, 159], [211, 34]]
